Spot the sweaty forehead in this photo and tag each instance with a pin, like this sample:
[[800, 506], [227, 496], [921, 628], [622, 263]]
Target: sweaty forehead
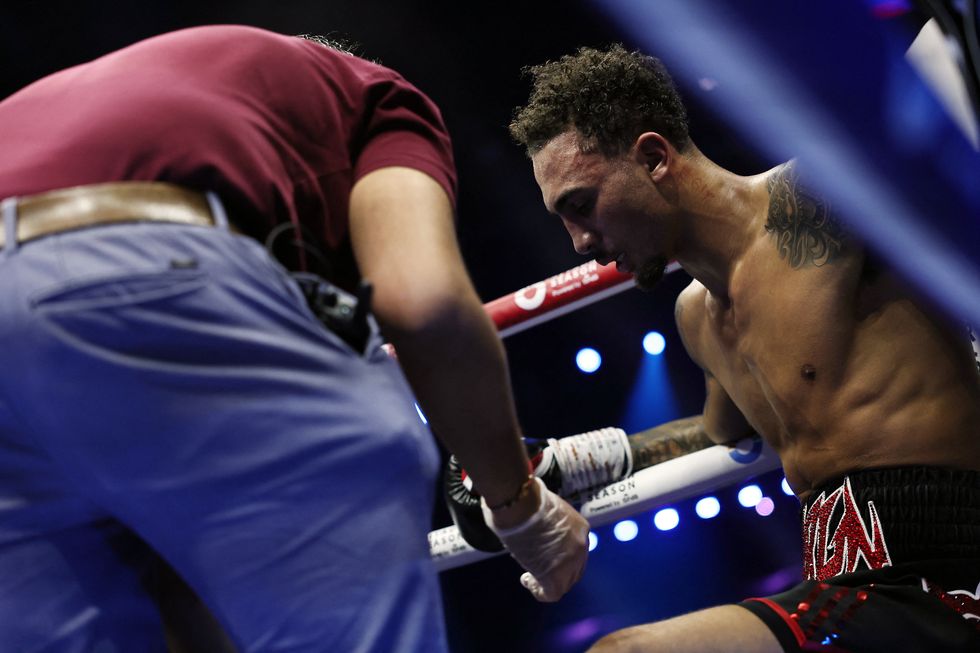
[[557, 167]]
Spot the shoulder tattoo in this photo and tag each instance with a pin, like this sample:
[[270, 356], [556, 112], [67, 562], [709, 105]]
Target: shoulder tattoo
[[801, 222]]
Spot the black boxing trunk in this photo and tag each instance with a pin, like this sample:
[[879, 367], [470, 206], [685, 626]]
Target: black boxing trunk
[[892, 563]]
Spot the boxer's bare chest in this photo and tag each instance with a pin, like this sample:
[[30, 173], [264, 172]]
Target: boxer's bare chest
[[780, 340], [780, 343]]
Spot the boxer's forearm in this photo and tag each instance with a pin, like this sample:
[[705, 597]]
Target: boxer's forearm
[[668, 441]]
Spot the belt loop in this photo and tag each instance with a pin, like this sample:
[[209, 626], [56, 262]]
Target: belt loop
[[8, 207], [217, 210]]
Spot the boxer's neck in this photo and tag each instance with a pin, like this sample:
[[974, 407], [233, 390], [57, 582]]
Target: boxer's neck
[[722, 211]]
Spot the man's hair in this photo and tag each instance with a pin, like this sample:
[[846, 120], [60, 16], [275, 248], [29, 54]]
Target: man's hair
[[609, 96], [336, 43]]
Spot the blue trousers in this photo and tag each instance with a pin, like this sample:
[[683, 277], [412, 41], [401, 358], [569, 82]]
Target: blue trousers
[[166, 388]]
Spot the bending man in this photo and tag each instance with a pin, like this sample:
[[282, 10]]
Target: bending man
[[170, 391]]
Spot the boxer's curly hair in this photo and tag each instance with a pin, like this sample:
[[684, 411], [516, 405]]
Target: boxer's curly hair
[[609, 96]]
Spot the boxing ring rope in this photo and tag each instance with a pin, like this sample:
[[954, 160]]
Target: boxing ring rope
[[672, 480], [558, 295]]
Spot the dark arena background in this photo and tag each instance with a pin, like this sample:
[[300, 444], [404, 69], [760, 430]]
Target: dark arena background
[[468, 58]]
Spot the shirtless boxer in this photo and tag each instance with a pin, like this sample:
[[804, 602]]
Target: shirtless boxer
[[871, 399]]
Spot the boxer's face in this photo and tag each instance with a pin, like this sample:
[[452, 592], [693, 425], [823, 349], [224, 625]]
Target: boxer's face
[[610, 206]]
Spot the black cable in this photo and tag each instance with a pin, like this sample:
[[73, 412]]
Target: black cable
[[324, 268], [970, 31]]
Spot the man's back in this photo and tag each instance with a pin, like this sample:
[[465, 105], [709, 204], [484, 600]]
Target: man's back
[[276, 125]]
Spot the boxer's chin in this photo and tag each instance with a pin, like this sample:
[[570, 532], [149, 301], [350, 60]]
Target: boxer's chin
[[650, 273]]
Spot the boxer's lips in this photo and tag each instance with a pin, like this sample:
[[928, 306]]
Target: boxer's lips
[[622, 265], [607, 259]]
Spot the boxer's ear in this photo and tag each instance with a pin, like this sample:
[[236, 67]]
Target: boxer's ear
[[653, 151]]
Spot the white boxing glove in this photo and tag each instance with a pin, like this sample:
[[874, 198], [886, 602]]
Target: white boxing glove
[[552, 545]]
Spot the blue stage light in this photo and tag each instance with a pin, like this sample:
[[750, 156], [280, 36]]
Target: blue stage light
[[786, 488], [651, 400], [765, 506], [707, 508], [654, 343], [626, 530], [593, 541], [749, 495], [588, 360], [666, 519]]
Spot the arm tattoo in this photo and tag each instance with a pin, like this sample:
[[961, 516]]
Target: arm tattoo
[[668, 441], [801, 222]]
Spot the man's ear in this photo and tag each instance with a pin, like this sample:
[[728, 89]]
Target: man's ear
[[653, 152]]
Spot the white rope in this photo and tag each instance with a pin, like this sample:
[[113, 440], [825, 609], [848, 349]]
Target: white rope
[[681, 478], [592, 459]]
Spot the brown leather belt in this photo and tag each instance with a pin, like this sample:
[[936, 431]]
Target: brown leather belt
[[124, 201]]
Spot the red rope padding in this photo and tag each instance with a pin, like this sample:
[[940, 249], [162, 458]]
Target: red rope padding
[[557, 295], [562, 293]]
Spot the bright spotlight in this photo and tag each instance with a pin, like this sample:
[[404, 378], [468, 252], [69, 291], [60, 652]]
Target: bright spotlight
[[654, 343], [765, 506], [707, 508], [749, 496], [626, 530], [786, 488], [588, 360], [666, 519], [593, 541]]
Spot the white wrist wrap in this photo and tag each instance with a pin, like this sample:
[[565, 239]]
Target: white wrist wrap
[[593, 459]]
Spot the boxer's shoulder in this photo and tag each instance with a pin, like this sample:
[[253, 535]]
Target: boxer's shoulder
[[801, 223], [691, 313], [690, 308]]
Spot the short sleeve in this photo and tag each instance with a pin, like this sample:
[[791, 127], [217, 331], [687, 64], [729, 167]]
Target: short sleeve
[[403, 127]]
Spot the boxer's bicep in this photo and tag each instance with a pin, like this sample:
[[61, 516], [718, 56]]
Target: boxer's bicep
[[723, 421], [689, 317]]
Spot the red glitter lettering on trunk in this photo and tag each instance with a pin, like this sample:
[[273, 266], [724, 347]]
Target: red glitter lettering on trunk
[[829, 554]]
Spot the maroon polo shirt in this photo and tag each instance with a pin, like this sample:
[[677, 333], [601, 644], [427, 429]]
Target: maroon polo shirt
[[280, 127]]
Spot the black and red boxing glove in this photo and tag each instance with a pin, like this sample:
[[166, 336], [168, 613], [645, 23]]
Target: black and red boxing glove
[[463, 502], [569, 467]]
